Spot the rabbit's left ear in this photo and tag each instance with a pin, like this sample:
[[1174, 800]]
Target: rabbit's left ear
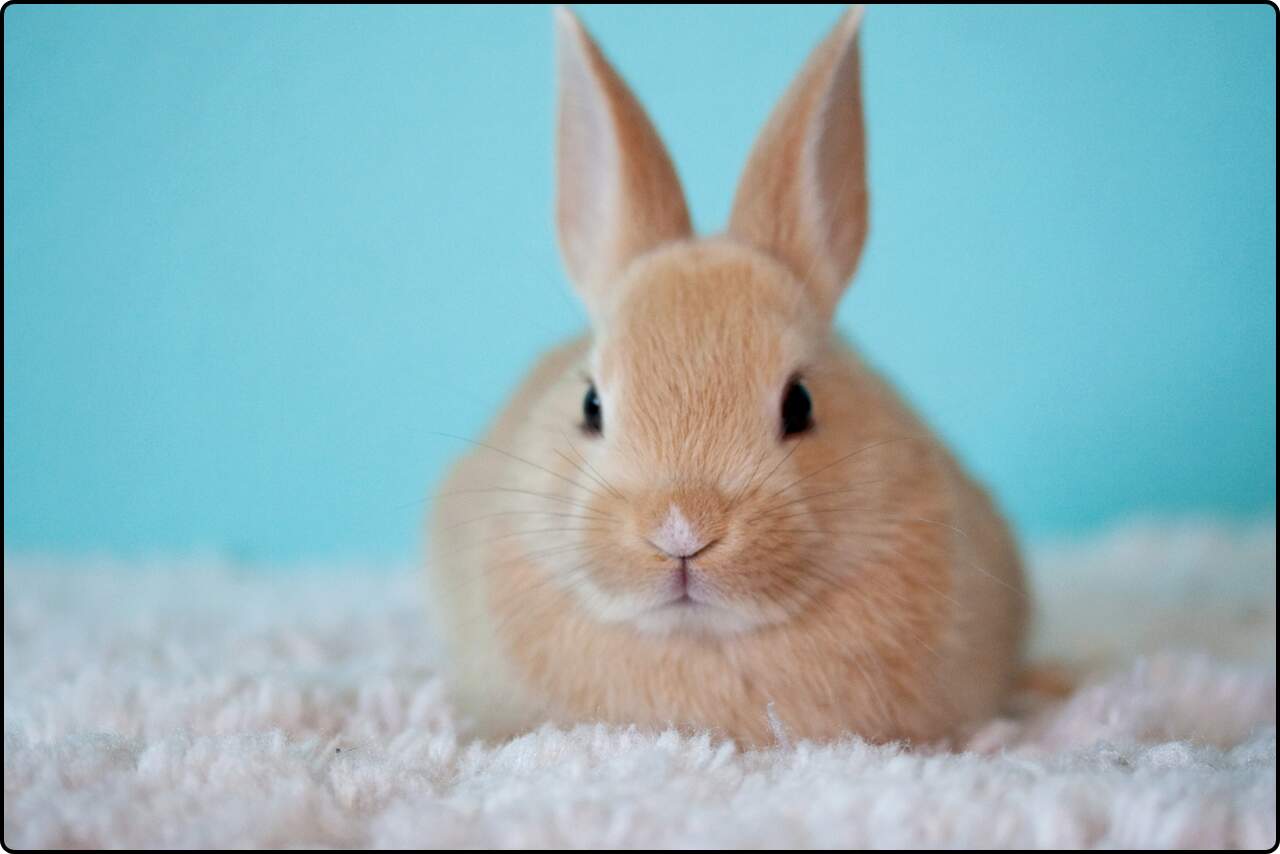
[[617, 194], [803, 194]]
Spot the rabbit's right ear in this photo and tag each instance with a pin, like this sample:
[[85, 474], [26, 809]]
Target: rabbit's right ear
[[617, 194]]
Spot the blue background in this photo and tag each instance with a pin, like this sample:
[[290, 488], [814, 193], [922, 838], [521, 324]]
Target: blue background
[[253, 257]]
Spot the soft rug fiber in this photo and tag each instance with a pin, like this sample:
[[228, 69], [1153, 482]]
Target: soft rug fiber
[[197, 703]]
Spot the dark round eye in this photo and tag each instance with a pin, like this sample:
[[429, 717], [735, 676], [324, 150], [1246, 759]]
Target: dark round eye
[[797, 410], [592, 417]]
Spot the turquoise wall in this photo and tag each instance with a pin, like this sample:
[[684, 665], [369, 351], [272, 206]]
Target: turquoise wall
[[254, 257]]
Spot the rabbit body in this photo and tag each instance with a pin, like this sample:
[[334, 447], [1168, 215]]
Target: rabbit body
[[675, 555]]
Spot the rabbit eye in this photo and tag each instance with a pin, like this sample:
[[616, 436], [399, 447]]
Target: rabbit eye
[[592, 417], [797, 410]]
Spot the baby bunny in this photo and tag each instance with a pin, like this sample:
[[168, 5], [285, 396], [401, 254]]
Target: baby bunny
[[709, 513]]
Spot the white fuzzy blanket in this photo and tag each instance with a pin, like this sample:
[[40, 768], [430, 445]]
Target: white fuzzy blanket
[[195, 703]]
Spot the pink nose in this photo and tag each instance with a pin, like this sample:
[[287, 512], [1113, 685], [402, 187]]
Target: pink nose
[[677, 536]]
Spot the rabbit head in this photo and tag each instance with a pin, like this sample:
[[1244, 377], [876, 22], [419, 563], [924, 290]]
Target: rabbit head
[[713, 377]]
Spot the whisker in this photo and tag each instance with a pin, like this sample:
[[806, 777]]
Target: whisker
[[547, 495], [771, 510], [747, 483], [846, 457], [877, 540], [562, 455], [779, 464], [877, 514], [949, 527], [522, 513], [549, 606], [605, 483], [520, 459], [510, 534], [814, 512], [493, 568]]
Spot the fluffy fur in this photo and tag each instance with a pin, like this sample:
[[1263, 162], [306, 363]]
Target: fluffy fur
[[849, 579], [200, 703]]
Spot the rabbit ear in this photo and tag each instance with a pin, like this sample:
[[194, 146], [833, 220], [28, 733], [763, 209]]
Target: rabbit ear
[[617, 194], [803, 194]]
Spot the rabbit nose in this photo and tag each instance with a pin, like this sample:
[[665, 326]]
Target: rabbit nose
[[677, 537]]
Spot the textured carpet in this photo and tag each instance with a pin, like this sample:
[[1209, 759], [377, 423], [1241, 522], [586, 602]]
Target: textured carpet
[[198, 703]]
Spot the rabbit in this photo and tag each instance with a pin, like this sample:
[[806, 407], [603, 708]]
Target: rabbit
[[708, 513]]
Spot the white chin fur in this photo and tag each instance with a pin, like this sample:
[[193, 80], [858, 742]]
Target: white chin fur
[[652, 617], [648, 614], [693, 619]]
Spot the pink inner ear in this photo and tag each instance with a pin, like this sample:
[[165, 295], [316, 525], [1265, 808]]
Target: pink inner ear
[[617, 193], [840, 162], [587, 167]]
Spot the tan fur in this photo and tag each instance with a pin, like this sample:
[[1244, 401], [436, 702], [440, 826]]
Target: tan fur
[[814, 138], [606, 219], [856, 579]]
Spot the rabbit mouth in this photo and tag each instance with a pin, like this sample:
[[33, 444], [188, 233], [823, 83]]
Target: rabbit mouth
[[694, 610], [686, 601], [686, 585]]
